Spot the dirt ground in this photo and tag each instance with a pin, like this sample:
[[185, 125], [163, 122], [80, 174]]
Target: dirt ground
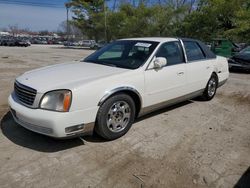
[[193, 144]]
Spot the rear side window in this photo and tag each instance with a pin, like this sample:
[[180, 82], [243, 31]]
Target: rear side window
[[193, 51], [172, 52]]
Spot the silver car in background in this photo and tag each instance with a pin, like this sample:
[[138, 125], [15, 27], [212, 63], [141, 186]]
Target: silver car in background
[[88, 43]]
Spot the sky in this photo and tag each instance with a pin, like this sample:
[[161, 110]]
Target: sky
[[42, 15], [45, 17]]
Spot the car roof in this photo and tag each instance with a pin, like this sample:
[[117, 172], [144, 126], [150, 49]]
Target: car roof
[[205, 49], [153, 39]]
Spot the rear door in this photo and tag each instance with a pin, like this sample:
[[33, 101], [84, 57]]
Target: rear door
[[199, 67], [168, 82]]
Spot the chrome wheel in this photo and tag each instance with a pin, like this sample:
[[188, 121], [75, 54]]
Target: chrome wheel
[[211, 87], [118, 116]]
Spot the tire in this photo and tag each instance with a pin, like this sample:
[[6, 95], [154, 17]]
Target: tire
[[115, 116], [211, 88]]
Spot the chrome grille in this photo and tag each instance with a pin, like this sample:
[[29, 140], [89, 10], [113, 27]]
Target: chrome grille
[[25, 94]]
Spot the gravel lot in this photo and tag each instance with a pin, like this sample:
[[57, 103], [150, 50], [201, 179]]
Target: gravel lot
[[193, 144]]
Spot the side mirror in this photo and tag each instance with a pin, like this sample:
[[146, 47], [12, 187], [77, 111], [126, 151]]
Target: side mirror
[[160, 62]]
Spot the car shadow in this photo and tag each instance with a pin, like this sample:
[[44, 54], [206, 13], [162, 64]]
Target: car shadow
[[28, 139], [244, 181]]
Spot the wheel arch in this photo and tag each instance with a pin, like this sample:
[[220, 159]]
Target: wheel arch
[[217, 78], [132, 92]]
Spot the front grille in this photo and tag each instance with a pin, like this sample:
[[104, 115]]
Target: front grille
[[24, 93]]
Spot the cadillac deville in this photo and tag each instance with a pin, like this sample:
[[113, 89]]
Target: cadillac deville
[[109, 89]]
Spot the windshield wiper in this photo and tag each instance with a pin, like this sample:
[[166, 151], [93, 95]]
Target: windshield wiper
[[108, 64], [88, 61], [100, 63]]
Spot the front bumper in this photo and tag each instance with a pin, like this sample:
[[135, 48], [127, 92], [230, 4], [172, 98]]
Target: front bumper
[[49, 123]]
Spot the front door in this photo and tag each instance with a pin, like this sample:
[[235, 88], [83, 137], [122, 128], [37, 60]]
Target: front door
[[169, 82]]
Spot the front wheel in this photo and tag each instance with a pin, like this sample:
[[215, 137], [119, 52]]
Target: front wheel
[[211, 88], [115, 116]]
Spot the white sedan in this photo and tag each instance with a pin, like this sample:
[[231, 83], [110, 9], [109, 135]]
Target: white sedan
[[106, 91]]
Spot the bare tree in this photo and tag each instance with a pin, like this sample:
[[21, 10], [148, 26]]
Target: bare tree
[[114, 5], [74, 32], [179, 3], [13, 29], [193, 3]]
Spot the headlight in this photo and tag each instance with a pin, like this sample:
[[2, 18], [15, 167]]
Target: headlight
[[59, 100]]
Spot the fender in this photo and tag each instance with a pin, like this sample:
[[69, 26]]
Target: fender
[[118, 89]]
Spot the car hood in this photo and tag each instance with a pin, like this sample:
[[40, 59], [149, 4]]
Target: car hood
[[66, 76], [242, 57]]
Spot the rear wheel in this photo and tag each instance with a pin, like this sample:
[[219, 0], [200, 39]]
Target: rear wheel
[[211, 88], [115, 116]]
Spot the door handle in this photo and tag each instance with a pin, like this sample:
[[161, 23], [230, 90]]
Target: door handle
[[180, 73], [208, 67]]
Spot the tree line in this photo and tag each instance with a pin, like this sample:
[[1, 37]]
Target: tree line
[[201, 19]]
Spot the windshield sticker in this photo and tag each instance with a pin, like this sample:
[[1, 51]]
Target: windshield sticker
[[142, 44]]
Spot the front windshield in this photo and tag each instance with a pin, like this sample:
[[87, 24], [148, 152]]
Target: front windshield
[[246, 50], [129, 54]]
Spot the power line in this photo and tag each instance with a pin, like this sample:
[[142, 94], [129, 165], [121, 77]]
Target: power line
[[29, 3]]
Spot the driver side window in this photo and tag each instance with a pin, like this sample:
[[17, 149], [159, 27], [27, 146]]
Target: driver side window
[[172, 51]]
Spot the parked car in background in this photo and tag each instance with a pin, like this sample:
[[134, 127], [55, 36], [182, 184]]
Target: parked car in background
[[240, 61], [14, 41], [10, 42], [69, 43], [224, 47], [98, 45], [27, 41], [40, 40], [44, 42], [36, 41], [23, 43], [107, 90], [242, 45], [3, 42], [88, 43]]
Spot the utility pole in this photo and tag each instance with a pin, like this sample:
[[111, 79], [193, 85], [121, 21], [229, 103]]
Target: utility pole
[[105, 20], [67, 5]]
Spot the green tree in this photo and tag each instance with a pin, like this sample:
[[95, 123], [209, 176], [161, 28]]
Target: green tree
[[89, 17], [201, 19], [241, 31], [143, 21], [217, 18], [127, 21]]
